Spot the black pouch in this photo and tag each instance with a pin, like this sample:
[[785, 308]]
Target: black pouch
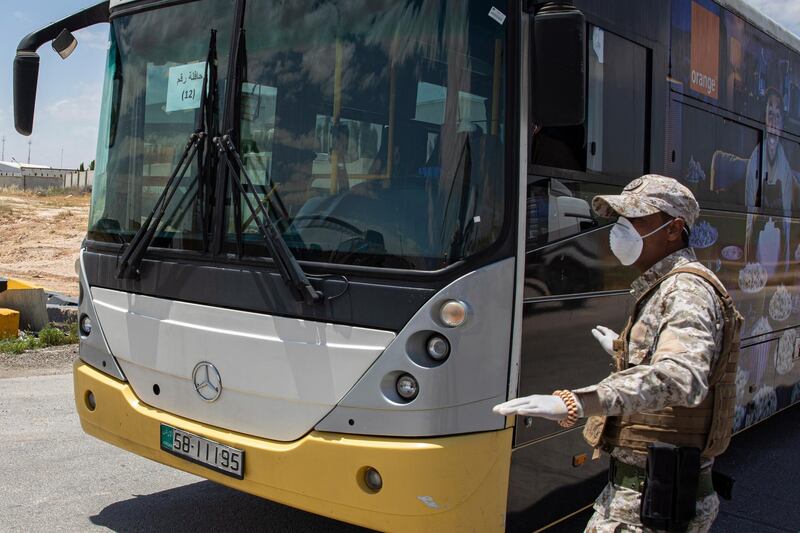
[[669, 497]]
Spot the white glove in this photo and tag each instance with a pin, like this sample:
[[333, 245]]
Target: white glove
[[606, 338], [544, 406]]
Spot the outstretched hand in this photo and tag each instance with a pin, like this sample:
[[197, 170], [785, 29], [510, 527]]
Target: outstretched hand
[[606, 338], [544, 406]]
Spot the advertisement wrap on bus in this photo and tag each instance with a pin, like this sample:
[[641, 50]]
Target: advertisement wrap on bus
[[327, 237]]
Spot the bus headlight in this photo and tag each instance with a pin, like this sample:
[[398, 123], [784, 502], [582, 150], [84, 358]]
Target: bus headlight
[[438, 348], [85, 325], [453, 313], [407, 387]]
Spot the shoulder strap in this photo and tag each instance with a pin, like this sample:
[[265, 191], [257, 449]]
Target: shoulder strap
[[711, 279], [721, 291]]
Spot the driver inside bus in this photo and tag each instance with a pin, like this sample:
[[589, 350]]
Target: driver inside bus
[[672, 360]]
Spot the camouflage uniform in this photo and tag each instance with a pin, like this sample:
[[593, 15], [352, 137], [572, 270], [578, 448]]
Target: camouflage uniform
[[674, 343]]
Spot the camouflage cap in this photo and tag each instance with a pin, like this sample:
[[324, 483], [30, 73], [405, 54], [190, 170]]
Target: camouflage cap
[[649, 195]]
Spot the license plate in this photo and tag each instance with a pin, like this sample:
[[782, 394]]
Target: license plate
[[202, 451]]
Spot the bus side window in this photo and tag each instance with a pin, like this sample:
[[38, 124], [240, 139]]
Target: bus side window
[[560, 147], [558, 209], [718, 159], [567, 246], [618, 104], [792, 150], [613, 140]]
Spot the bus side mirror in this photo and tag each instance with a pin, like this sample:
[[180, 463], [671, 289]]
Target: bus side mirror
[[559, 66], [65, 44], [26, 79], [26, 62]]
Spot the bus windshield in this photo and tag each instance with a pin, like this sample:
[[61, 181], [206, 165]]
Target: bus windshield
[[151, 98], [374, 128]]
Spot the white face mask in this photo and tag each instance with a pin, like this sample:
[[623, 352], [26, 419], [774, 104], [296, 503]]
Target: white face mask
[[626, 243]]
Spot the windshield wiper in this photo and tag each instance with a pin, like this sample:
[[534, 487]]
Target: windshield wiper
[[207, 121], [128, 267], [290, 270]]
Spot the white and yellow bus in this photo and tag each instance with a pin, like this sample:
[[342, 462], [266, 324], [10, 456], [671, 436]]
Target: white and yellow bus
[[327, 236]]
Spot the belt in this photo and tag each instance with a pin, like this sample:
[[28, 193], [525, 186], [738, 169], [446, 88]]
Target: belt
[[632, 477]]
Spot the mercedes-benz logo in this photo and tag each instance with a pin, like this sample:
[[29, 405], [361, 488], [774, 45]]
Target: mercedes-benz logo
[[207, 381]]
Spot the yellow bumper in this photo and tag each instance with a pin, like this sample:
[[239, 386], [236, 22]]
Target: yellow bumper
[[438, 484]]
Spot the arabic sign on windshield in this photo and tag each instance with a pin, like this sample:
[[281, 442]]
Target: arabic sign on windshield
[[185, 86]]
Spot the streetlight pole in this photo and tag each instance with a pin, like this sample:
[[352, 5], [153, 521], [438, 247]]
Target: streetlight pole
[[29, 151]]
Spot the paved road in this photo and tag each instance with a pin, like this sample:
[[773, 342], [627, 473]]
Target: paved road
[[55, 478]]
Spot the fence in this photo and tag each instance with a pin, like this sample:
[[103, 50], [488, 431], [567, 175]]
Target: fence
[[78, 179], [31, 179], [31, 182]]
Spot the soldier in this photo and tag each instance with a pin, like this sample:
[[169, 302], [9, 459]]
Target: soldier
[[675, 361]]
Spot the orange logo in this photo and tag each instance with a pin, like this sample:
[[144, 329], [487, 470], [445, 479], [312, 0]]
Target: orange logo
[[705, 52]]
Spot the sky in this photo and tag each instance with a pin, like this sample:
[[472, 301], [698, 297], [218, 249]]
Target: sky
[[68, 98]]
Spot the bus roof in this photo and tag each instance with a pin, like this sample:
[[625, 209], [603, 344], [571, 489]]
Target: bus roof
[[115, 3], [740, 7], [758, 19]]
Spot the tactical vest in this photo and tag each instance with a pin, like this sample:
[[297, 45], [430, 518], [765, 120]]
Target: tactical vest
[[707, 426]]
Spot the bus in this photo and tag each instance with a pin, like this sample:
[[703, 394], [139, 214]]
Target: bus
[[327, 236]]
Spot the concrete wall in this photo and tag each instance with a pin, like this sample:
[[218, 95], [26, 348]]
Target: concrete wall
[[44, 172], [31, 304], [77, 179], [48, 179], [31, 182]]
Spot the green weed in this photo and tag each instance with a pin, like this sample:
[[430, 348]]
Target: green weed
[[48, 336]]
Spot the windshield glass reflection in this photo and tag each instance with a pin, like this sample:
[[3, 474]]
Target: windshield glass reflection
[[378, 125]]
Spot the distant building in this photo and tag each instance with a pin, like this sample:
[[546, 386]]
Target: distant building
[[12, 168], [30, 176]]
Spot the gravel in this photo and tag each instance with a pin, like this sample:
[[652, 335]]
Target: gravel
[[47, 361]]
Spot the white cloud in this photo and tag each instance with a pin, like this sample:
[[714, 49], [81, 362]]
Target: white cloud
[[77, 109], [95, 38], [784, 12], [69, 123]]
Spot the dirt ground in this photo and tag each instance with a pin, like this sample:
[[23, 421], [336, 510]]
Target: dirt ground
[[53, 360], [40, 237]]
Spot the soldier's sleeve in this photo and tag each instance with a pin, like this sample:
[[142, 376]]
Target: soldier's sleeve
[[687, 348]]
